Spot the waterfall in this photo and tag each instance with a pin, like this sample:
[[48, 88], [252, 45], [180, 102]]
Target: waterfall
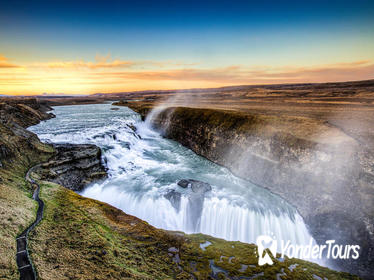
[[144, 167], [218, 218]]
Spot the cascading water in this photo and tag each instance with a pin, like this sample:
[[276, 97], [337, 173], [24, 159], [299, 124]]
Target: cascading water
[[144, 168]]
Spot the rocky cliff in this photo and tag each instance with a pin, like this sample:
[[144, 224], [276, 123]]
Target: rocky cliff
[[327, 175], [23, 111], [73, 166], [15, 140]]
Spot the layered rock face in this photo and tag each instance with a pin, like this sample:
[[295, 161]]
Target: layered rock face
[[15, 140], [327, 175], [23, 111], [73, 166]]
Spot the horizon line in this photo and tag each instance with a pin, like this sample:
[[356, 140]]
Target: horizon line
[[180, 90]]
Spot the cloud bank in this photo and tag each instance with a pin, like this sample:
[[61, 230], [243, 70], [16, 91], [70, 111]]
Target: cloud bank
[[105, 74], [5, 64]]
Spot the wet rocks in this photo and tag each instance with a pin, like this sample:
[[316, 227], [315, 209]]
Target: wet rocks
[[120, 103], [195, 209], [175, 199], [196, 186], [73, 166], [195, 191], [183, 183], [200, 187], [133, 130]]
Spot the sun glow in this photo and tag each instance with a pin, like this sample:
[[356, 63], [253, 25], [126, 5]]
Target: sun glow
[[107, 75]]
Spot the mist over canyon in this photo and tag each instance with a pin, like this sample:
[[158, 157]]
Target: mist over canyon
[[145, 168]]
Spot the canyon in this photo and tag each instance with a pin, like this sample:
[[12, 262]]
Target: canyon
[[321, 164], [322, 167], [326, 180]]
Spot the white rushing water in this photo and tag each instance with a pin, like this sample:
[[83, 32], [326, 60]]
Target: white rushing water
[[143, 167]]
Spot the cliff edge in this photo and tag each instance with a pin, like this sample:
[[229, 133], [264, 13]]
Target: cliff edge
[[326, 174]]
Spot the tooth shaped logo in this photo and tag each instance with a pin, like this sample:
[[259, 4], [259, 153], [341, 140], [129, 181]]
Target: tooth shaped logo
[[266, 242]]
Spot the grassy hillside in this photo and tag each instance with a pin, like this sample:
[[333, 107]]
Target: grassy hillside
[[82, 238], [17, 209]]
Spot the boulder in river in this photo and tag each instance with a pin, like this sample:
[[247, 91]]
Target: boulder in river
[[183, 183], [175, 198], [196, 186], [196, 194]]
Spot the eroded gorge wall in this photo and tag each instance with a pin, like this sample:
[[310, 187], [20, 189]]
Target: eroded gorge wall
[[327, 175]]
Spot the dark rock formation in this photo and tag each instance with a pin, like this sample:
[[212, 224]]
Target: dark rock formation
[[196, 203], [23, 111], [120, 103], [200, 187], [328, 178], [183, 183], [175, 199], [73, 166], [16, 143], [196, 186], [143, 109], [196, 193], [5, 153]]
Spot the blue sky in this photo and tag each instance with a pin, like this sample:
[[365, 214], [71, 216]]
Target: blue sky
[[188, 34]]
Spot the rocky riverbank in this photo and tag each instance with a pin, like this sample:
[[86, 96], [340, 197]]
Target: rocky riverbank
[[73, 166], [70, 165], [326, 174]]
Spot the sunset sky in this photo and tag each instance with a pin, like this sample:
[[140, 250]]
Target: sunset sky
[[82, 47]]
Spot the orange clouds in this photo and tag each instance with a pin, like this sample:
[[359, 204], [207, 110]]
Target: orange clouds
[[239, 74], [111, 75], [100, 62], [106, 62], [5, 64]]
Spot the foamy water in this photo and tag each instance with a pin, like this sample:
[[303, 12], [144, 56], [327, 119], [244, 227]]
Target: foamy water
[[143, 167]]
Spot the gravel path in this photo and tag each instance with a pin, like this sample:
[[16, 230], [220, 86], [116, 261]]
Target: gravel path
[[24, 263]]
